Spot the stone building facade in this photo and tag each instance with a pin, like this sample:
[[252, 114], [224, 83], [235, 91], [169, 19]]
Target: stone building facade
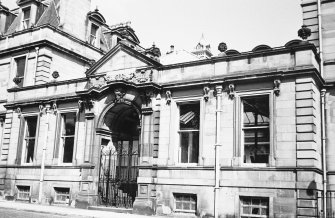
[[89, 118]]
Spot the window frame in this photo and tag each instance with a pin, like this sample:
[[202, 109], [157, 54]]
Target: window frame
[[23, 21], [240, 126], [97, 36], [60, 136], [175, 116], [24, 139], [18, 192], [15, 68], [269, 208], [175, 194], [56, 194]]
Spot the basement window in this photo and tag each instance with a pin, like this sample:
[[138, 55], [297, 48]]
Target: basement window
[[23, 192], [185, 202], [256, 129], [62, 195], [254, 207]]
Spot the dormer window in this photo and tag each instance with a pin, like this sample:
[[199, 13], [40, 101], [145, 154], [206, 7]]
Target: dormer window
[[26, 18], [94, 34]]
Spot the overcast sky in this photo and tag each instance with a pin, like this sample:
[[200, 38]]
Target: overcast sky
[[242, 24]]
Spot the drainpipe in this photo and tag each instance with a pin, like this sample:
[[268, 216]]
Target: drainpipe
[[36, 62], [217, 147], [323, 144], [320, 37], [323, 128], [40, 193]]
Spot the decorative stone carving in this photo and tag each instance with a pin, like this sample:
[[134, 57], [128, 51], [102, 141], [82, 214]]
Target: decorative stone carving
[[304, 32], [55, 74], [17, 80], [119, 94], [206, 93], [231, 91], [222, 47], [41, 108], [54, 107], [80, 105], [146, 96], [276, 88], [168, 97], [18, 111], [137, 77]]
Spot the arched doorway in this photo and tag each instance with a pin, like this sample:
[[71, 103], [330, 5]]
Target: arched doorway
[[119, 156]]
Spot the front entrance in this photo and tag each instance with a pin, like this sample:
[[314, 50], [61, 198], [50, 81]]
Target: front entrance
[[119, 157]]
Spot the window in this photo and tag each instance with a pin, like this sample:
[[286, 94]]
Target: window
[[29, 138], [93, 35], [23, 192], [255, 128], [26, 18], [185, 202], [68, 128], [62, 195], [20, 66], [254, 207], [189, 123]]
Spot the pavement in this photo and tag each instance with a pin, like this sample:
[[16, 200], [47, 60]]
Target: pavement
[[62, 211]]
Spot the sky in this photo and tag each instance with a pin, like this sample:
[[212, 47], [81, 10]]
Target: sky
[[241, 24]]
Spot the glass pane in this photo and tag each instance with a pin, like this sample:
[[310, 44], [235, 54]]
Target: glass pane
[[30, 150], [69, 122], [31, 126], [94, 30], [186, 206], [255, 211], [256, 111], [264, 211], [246, 210], [26, 13], [189, 116], [194, 147], [179, 205], [184, 141], [68, 149], [256, 145], [20, 66]]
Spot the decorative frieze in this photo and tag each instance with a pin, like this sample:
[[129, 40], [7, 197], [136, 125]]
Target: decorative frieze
[[137, 77]]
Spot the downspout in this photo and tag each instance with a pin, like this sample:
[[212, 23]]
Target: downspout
[[217, 147], [40, 193], [323, 128], [323, 144]]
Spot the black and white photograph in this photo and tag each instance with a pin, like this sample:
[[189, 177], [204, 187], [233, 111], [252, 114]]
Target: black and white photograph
[[167, 108]]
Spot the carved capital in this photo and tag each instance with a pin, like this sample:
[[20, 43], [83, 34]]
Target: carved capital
[[168, 97], [276, 88], [231, 91], [18, 111], [206, 93], [54, 107]]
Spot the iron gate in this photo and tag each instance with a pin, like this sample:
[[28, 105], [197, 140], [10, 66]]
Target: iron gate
[[118, 174]]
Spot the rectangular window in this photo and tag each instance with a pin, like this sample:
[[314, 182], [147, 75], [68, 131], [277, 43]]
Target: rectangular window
[[23, 192], [93, 35], [30, 138], [68, 128], [26, 18], [20, 66], [185, 202], [189, 123], [254, 207], [256, 129], [62, 195]]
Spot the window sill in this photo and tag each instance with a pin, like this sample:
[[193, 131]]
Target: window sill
[[255, 165], [187, 164]]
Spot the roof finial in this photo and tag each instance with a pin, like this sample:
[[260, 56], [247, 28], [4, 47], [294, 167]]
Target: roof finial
[[96, 8]]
